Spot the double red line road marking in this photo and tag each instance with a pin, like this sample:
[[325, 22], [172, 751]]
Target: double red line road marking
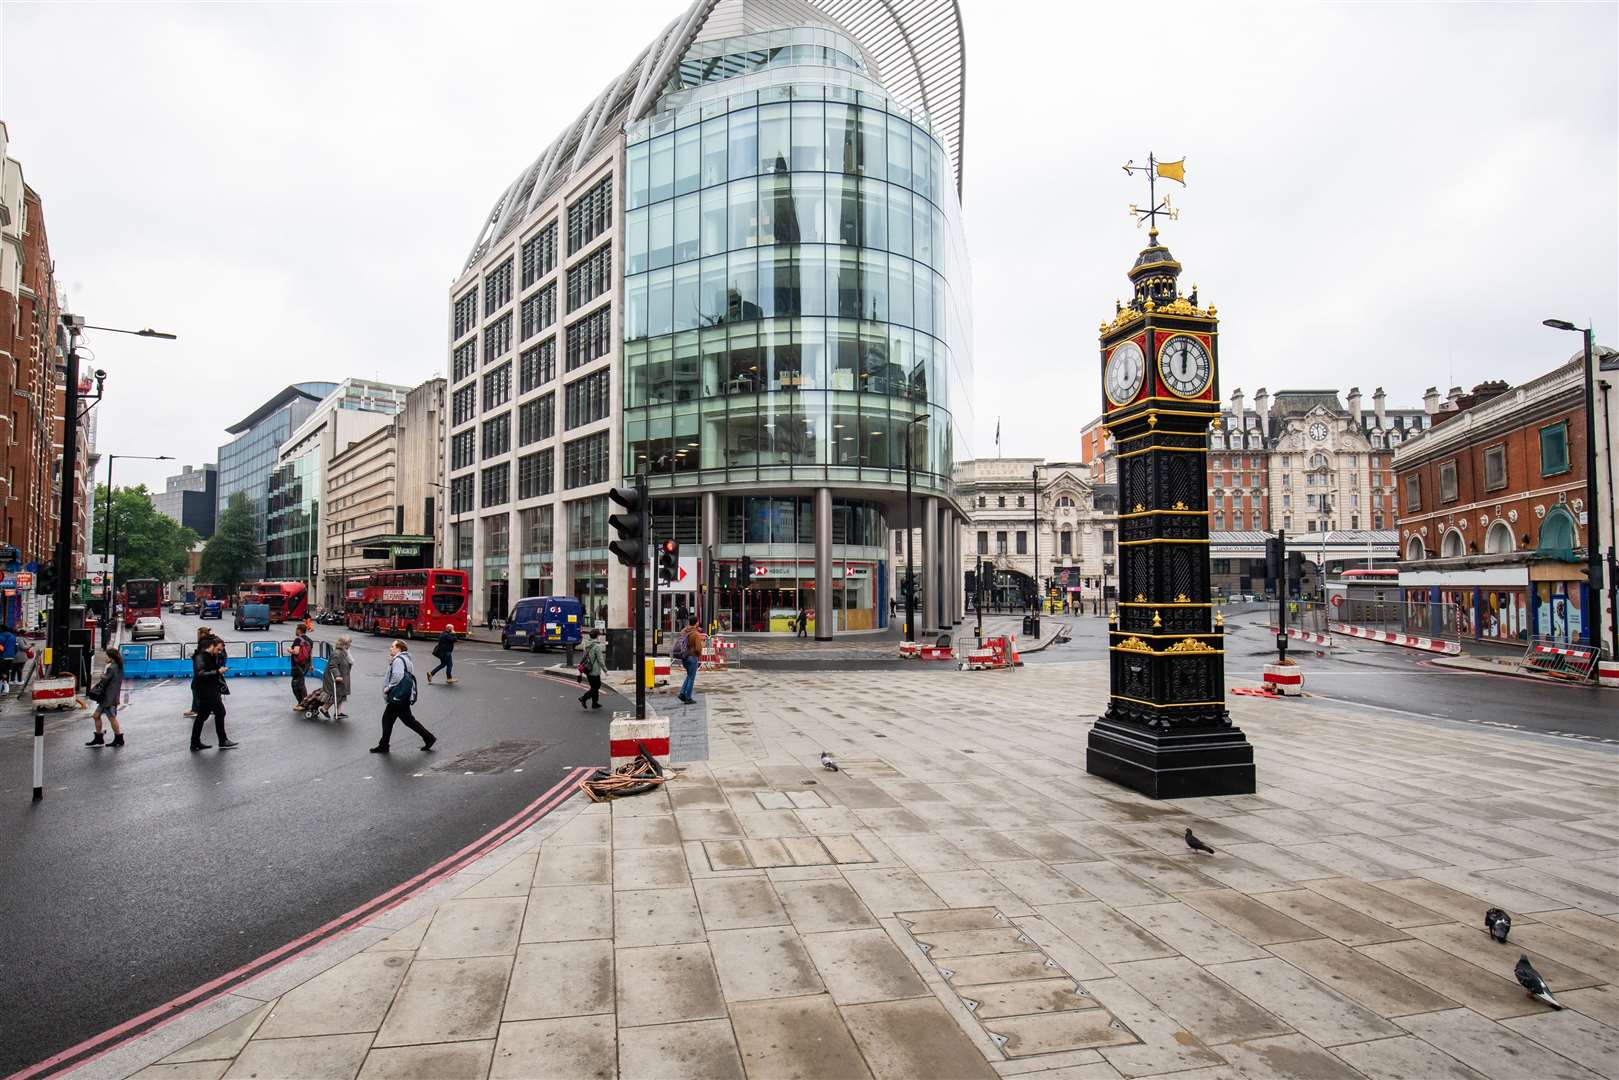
[[114, 1037]]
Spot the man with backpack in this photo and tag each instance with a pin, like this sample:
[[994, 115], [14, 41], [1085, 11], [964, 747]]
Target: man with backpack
[[399, 694], [303, 652], [688, 648]]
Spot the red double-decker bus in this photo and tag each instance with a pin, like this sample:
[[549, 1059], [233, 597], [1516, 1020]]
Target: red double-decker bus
[[142, 596], [407, 602], [286, 599], [210, 592]]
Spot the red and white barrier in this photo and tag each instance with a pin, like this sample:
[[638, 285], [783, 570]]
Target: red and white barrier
[[1608, 672], [916, 650], [1285, 679], [627, 735], [1390, 637], [995, 653], [56, 692], [1324, 640]]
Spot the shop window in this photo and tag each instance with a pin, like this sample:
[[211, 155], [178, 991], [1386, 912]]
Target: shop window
[[1447, 481], [1554, 449], [1495, 468]]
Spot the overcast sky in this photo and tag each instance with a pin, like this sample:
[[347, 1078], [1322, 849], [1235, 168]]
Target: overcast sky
[[1387, 195]]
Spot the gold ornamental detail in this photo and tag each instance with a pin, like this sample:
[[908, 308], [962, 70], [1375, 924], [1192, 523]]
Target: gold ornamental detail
[[1139, 509], [1179, 505], [1156, 621], [1190, 645], [1182, 598], [1141, 598], [1134, 644]]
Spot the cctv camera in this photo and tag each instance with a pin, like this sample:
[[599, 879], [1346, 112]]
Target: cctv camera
[[101, 374]]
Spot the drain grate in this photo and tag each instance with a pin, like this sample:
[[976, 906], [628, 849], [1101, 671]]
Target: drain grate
[[495, 758]]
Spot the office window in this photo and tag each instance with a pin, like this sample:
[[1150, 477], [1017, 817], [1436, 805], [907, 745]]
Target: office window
[[466, 313], [466, 360], [1447, 481], [1495, 467], [590, 214], [981, 500], [461, 494], [539, 254], [589, 338], [1107, 541], [497, 337], [1020, 502], [497, 435], [1022, 542], [584, 461], [590, 277], [1000, 502], [534, 474], [536, 420], [899, 543], [537, 366], [983, 540], [1000, 543], [464, 404], [587, 399], [497, 288], [539, 311], [462, 449], [1413, 491], [1554, 449], [1065, 542], [496, 485], [1309, 500], [497, 387]]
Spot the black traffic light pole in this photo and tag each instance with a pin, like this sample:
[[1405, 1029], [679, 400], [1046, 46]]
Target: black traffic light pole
[[631, 550], [1279, 573]]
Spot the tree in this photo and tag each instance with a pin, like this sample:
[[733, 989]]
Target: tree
[[145, 544], [231, 555]]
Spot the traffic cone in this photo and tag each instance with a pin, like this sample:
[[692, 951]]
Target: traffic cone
[[1017, 661]]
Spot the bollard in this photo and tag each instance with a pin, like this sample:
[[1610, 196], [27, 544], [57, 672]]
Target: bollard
[[627, 735], [39, 753]]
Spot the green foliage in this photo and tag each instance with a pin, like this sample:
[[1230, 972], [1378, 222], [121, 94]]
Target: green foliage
[[231, 555], [145, 544]]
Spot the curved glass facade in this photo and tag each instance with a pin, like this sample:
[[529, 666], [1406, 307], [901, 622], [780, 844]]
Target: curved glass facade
[[796, 289]]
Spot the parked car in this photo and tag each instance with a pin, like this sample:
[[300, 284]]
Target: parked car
[[188, 607], [211, 609], [147, 626], [540, 621], [253, 617]]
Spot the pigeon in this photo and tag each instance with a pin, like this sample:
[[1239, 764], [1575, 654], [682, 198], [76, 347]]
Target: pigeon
[[1531, 981], [827, 763], [1195, 844], [1498, 923]]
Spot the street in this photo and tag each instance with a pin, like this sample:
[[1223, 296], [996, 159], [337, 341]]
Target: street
[[148, 870]]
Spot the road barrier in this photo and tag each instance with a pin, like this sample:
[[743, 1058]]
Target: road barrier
[[172, 659], [1565, 660], [627, 737], [1412, 624]]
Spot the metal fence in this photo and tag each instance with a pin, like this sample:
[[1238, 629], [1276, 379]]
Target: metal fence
[[1549, 656]]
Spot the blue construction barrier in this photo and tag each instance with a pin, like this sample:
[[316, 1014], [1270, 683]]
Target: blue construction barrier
[[172, 659]]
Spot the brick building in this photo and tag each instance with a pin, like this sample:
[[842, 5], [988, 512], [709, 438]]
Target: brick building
[[1493, 515]]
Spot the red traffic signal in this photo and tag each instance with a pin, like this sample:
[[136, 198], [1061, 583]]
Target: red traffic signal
[[669, 561]]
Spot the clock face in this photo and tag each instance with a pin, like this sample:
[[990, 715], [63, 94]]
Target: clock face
[[1318, 431], [1184, 365], [1126, 370]]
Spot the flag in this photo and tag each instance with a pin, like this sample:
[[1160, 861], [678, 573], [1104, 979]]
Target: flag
[[1173, 170]]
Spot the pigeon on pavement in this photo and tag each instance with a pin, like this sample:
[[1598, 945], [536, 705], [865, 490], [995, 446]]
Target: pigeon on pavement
[[827, 763], [1531, 981], [1498, 923], [1195, 844]]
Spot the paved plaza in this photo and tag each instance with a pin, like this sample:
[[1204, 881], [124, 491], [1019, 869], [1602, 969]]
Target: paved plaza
[[962, 900]]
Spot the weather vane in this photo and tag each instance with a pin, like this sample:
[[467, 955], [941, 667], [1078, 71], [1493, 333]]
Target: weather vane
[[1169, 170]]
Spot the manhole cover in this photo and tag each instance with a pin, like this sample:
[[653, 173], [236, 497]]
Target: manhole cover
[[495, 758]]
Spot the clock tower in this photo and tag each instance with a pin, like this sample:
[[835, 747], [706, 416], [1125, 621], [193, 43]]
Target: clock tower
[[1166, 732]]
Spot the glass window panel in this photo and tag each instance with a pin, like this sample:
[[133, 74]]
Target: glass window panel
[[775, 147], [742, 362], [842, 140], [686, 315], [845, 434], [922, 315], [635, 307], [874, 214], [812, 353], [875, 376], [809, 209], [776, 210], [873, 143], [713, 151], [899, 221], [778, 282], [936, 235], [939, 298], [812, 280], [685, 239], [874, 286], [808, 143], [688, 154], [659, 370], [713, 221], [635, 179], [659, 296], [875, 434], [848, 277], [741, 287], [663, 167], [744, 138], [920, 159], [661, 235], [938, 176], [635, 254], [845, 345], [921, 213], [899, 154], [743, 213], [900, 306], [687, 371], [843, 210], [711, 291]]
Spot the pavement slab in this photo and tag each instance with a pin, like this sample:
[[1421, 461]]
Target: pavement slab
[[804, 1038], [573, 1048], [560, 978], [1496, 1051], [1288, 1057], [1208, 1008], [317, 1057], [353, 996], [698, 1050], [447, 1000], [1310, 1006], [1404, 1058]]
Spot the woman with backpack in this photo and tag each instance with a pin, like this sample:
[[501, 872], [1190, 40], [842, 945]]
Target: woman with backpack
[[105, 694], [444, 650], [591, 667], [399, 693]]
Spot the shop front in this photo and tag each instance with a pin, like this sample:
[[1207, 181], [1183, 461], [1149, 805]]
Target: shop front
[[1505, 605], [778, 590]]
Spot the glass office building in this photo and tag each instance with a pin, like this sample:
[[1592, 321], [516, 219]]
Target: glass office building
[[791, 319], [248, 460]]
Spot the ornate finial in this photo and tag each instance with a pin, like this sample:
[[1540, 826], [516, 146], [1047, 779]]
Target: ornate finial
[[1219, 620], [1113, 618], [1117, 307], [1214, 425], [1182, 598], [1169, 170], [1139, 509], [1141, 598], [1149, 305], [1152, 419], [1156, 621]]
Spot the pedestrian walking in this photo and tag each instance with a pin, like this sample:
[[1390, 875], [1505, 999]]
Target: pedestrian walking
[[8, 658], [336, 681], [203, 634], [803, 622], [211, 691], [303, 653], [105, 693], [694, 641], [444, 649], [591, 669], [399, 694]]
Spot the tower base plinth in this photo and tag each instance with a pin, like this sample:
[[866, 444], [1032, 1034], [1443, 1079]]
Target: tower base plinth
[[1171, 765]]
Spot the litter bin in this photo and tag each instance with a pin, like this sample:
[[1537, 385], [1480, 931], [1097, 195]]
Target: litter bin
[[1031, 627]]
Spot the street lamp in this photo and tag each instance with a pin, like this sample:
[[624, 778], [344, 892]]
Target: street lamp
[[107, 543], [1593, 532]]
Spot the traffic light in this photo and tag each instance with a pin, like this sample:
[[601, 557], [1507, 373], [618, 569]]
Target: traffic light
[[1295, 566], [630, 527], [1275, 551], [669, 561], [745, 572]]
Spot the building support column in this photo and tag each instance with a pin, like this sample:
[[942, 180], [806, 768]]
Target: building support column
[[952, 570], [708, 517], [930, 565], [823, 564]]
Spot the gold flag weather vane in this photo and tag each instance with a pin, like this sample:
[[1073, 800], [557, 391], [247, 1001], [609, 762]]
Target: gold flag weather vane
[[1169, 170]]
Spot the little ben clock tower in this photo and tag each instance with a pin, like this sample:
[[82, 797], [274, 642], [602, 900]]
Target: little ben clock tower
[[1166, 732]]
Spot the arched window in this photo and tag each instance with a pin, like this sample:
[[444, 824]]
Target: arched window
[[1498, 541], [1064, 502], [1452, 547], [1414, 551], [1557, 533]]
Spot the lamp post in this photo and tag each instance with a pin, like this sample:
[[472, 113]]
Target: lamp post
[[107, 545], [910, 573], [1039, 594], [1593, 532]]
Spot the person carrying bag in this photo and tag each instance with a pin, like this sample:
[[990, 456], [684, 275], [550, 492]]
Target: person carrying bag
[[399, 694]]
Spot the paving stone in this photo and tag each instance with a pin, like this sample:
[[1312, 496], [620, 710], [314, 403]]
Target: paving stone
[[406, 939], [943, 921], [353, 996], [513, 879], [583, 829], [1162, 872], [1194, 934], [763, 963], [1247, 917], [1209, 1008], [1281, 861], [1386, 852], [862, 965], [940, 944], [573, 1048], [699, 1050], [925, 852], [1111, 884], [986, 845], [318, 1057], [1063, 949], [1036, 883], [1103, 932], [560, 978], [737, 903], [1582, 924], [806, 851], [1165, 1045], [568, 913], [1021, 998], [225, 1042], [1494, 893], [643, 917], [1457, 906], [729, 855], [1479, 948], [823, 905], [649, 868], [441, 1061], [902, 1040], [1288, 1057], [644, 832], [846, 849], [804, 1038], [771, 824], [667, 983], [1003, 967], [708, 825], [761, 853], [1053, 846], [184, 1070], [575, 864], [892, 820], [806, 800], [1490, 992], [773, 800], [1047, 1033], [487, 927], [1573, 1035], [1568, 948], [1329, 917], [835, 820], [692, 794], [1403, 1058], [1362, 978], [974, 888], [1599, 1003], [1309, 1005], [1098, 837], [887, 891], [1376, 903], [1493, 1050], [447, 1001]]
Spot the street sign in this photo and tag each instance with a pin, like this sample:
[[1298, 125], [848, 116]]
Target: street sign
[[25, 580]]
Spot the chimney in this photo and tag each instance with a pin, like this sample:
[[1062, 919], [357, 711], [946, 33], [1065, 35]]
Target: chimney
[[1262, 407], [1377, 406], [1453, 400], [1236, 409], [1430, 400], [1354, 406]]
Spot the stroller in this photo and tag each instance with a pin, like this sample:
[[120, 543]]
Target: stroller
[[311, 705]]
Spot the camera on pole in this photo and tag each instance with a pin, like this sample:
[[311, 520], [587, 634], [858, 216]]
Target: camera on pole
[[669, 561]]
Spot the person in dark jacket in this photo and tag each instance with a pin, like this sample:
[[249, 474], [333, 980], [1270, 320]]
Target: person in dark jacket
[[303, 653], [444, 649], [111, 686], [203, 634], [591, 669], [336, 681], [211, 691], [399, 694]]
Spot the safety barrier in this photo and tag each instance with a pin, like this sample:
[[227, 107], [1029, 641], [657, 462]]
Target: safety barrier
[[1435, 627], [939, 650], [718, 657], [1566, 660], [1323, 640], [172, 659], [995, 654], [1409, 641]]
